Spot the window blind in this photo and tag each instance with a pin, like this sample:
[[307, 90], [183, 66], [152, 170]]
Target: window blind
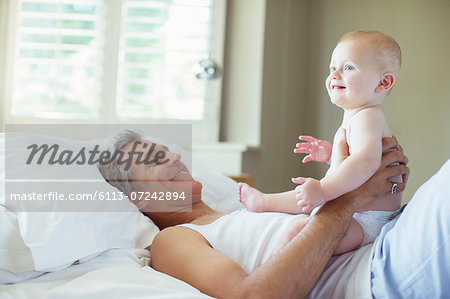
[[59, 56], [115, 60], [160, 41]]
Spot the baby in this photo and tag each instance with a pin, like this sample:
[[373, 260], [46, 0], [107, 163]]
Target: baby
[[363, 69]]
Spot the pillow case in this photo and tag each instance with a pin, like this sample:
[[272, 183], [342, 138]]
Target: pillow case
[[49, 241], [56, 238], [219, 191], [15, 255]]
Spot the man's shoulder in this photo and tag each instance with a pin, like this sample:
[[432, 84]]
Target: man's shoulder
[[175, 234], [167, 241]]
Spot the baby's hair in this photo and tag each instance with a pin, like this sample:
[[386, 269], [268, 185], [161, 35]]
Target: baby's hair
[[389, 50]]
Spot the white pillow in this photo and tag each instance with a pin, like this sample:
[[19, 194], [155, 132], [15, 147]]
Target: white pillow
[[57, 239], [15, 255], [219, 191]]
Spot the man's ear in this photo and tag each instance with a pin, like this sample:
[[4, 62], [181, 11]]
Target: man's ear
[[386, 82]]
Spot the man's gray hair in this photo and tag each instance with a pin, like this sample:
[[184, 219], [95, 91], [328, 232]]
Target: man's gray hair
[[112, 172]]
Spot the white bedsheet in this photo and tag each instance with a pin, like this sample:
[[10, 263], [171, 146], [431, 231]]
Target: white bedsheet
[[116, 273]]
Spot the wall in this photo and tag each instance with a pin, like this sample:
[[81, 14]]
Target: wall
[[297, 42], [242, 76], [265, 110]]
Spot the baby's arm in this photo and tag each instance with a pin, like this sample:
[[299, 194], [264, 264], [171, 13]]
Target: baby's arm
[[364, 160], [365, 157], [317, 150]]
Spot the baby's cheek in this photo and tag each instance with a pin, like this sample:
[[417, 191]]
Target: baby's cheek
[[327, 83]]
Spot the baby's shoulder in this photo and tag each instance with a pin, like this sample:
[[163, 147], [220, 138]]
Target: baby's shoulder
[[369, 119], [369, 115]]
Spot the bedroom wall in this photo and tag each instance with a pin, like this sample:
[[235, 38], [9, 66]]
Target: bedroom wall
[[298, 39], [265, 107]]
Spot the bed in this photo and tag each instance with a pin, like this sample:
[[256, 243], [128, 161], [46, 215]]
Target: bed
[[103, 255]]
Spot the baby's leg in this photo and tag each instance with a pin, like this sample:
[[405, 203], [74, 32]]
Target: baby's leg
[[352, 239], [256, 201]]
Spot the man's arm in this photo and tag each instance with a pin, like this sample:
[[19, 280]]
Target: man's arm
[[294, 269], [290, 272]]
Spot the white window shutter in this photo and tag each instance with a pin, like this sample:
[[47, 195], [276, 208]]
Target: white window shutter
[[59, 56], [160, 43], [117, 61]]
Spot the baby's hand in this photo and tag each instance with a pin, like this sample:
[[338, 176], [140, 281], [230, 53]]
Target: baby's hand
[[309, 194], [317, 150]]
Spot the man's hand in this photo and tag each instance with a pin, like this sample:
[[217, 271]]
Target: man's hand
[[309, 194], [317, 150]]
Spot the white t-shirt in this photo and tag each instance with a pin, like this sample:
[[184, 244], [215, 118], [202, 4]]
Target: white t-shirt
[[250, 239]]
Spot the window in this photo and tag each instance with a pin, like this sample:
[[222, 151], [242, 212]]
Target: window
[[116, 61], [58, 60]]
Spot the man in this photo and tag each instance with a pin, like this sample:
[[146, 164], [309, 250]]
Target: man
[[291, 271]]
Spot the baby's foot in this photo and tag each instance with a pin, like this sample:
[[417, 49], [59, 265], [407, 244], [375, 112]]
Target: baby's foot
[[252, 199]]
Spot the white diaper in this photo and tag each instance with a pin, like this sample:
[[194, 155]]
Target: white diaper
[[371, 223]]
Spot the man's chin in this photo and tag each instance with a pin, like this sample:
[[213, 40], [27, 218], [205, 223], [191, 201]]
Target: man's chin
[[184, 185]]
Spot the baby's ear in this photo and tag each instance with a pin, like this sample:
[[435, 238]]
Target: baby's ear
[[386, 82]]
